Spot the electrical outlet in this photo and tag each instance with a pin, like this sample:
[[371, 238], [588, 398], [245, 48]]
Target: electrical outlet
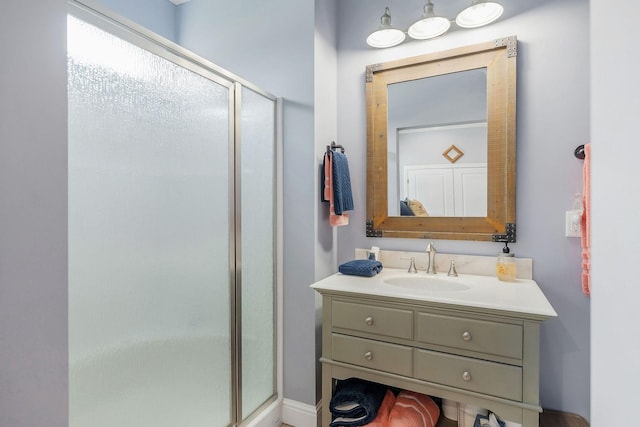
[[573, 223]]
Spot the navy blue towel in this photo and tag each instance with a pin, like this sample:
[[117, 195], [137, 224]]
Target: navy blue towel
[[355, 402], [361, 267], [342, 195]]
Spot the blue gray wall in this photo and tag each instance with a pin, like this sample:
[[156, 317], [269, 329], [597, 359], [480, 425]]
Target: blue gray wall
[[33, 214], [552, 119], [159, 16]]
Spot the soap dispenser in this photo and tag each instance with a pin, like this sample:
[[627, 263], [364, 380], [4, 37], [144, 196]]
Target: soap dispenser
[[506, 265]]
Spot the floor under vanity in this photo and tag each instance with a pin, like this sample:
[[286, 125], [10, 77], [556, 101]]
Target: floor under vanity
[[470, 339]]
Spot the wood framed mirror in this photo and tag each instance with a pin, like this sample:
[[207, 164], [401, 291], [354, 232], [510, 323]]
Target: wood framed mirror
[[441, 141]]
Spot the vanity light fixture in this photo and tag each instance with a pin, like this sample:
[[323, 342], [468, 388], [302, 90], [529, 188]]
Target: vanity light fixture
[[479, 13], [430, 25], [385, 35]]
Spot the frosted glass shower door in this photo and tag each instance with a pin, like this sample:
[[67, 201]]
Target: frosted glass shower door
[[149, 239], [257, 251]]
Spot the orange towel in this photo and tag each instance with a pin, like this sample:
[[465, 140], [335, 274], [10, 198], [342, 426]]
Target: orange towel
[[414, 410], [382, 417], [586, 221], [334, 220]]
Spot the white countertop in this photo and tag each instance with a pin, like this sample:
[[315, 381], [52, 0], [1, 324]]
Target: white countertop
[[484, 292]]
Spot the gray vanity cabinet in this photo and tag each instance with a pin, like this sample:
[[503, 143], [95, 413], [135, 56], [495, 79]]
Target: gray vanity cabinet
[[486, 358]]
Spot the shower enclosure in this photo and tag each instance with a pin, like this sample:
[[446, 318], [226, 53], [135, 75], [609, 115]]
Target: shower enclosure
[[172, 233]]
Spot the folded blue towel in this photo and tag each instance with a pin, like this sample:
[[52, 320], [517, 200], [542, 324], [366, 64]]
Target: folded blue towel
[[361, 267], [342, 195], [355, 402]]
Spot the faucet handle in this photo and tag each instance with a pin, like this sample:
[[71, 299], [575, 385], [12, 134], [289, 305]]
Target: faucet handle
[[412, 265], [452, 269]]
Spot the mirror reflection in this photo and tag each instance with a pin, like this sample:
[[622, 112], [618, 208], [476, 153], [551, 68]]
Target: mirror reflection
[[437, 146]]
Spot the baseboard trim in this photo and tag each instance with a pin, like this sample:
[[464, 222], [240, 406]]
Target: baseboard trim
[[298, 414], [271, 416]]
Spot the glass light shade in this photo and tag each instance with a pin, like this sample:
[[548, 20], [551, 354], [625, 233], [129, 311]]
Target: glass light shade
[[481, 12], [385, 35], [428, 28], [385, 38], [429, 25]]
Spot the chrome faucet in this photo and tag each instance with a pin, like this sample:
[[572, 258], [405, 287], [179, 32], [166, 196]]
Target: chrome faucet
[[431, 250]]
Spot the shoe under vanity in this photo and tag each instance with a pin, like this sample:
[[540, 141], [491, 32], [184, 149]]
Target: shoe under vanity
[[471, 339]]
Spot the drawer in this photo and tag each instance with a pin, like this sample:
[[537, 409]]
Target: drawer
[[501, 339], [490, 378], [372, 354], [390, 322]]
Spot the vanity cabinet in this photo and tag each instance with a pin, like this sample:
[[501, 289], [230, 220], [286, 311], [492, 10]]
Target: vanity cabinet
[[484, 357]]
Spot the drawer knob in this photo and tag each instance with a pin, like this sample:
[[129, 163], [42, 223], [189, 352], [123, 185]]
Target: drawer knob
[[466, 376], [466, 336], [368, 355], [369, 320]]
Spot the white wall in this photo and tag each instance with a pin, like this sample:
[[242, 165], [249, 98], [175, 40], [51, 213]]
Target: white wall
[[552, 119], [615, 108], [33, 214]]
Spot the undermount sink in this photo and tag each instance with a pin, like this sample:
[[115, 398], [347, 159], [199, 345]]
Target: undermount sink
[[426, 283]]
